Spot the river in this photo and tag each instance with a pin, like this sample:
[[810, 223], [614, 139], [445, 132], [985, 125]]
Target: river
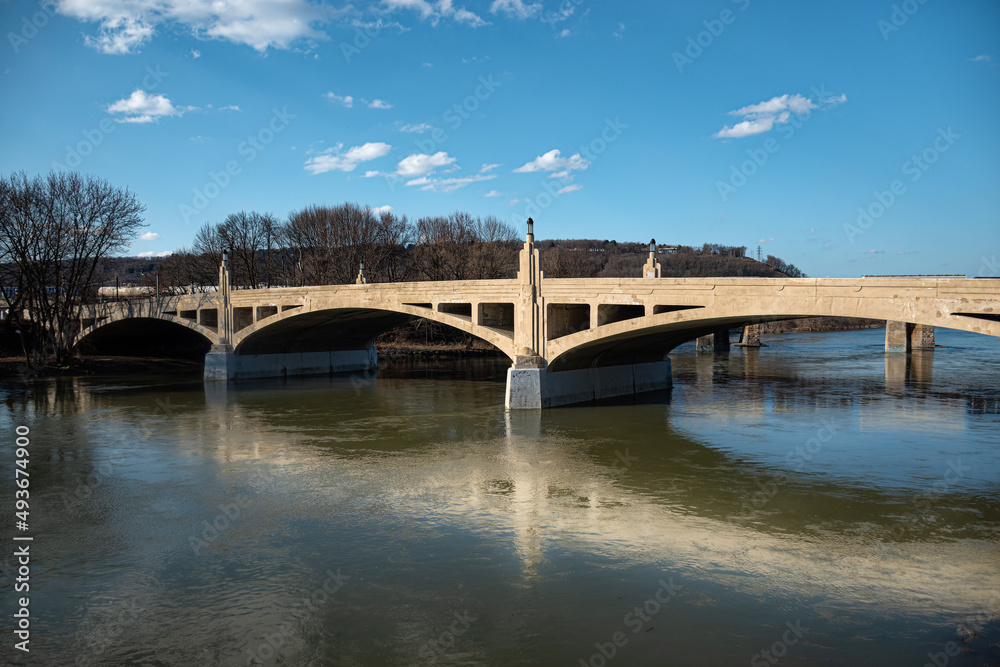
[[813, 502]]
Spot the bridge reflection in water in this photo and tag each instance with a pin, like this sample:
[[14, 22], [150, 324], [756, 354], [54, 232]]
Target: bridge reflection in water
[[548, 526]]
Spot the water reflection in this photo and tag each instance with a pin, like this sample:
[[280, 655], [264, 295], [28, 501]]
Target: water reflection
[[774, 486]]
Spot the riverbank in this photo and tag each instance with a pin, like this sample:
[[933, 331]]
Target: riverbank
[[15, 367], [818, 324]]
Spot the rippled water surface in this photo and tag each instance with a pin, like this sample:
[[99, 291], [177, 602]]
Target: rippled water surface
[[814, 499]]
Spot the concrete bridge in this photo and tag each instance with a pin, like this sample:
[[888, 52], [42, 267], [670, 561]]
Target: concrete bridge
[[569, 340]]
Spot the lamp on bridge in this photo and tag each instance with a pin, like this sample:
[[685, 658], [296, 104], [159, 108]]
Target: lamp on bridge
[[531, 230], [652, 267], [361, 280]]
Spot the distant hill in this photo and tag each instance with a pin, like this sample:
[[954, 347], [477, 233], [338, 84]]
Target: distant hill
[[588, 258], [564, 258]]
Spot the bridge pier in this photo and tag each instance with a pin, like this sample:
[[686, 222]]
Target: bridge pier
[[905, 337], [223, 365], [714, 342], [750, 336], [532, 388]]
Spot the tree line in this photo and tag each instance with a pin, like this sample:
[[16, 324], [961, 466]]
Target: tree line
[[59, 235], [328, 245]]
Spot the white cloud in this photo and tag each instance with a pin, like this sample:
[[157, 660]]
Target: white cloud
[[141, 107], [438, 10], [563, 33], [379, 210], [335, 160], [620, 32], [149, 236], [372, 174], [567, 10], [493, 193], [515, 8], [569, 188], [487, 167], [421, 164], [195, 53], [451, 184], [552, 161], [875, 252], [419, 128], [379, 104], [230, 107], [747, 128], [766, 240], [150, 253], [125, 25], [763, 116], [982, 58], [343, 100]]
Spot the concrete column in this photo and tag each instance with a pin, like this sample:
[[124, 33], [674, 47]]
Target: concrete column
[[225, 316], [922, 337], [714, 342], [529, 318], [751, 336], [222, 364], [218, 365], [721, 341], [897, 337], [533, 388], [652, 268]]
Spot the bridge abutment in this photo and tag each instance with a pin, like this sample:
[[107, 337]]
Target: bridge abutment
[[222, 364], [535, 388]]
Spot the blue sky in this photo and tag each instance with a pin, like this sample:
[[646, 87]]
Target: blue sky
[[849, 138]]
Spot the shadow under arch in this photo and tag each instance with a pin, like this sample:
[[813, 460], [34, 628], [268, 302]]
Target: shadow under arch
[[648, 344], [336, 329], [146, 336]]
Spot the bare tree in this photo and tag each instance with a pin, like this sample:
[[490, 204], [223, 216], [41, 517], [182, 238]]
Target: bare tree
[[55, 231], [443, 243], [496, 247], [331, 242]]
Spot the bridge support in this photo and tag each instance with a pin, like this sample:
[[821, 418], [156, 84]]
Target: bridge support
[[222, 364], [750, 336], [530, 388], [714, 342], [905, 337]]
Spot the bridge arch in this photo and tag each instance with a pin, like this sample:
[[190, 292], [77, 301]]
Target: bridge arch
[[652, 337], [347, 326], [128, 334]]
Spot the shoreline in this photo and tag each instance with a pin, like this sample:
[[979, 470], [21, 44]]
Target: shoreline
[[84, 366]]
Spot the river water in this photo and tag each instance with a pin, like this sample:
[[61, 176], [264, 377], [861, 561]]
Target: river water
[[813, 502]]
